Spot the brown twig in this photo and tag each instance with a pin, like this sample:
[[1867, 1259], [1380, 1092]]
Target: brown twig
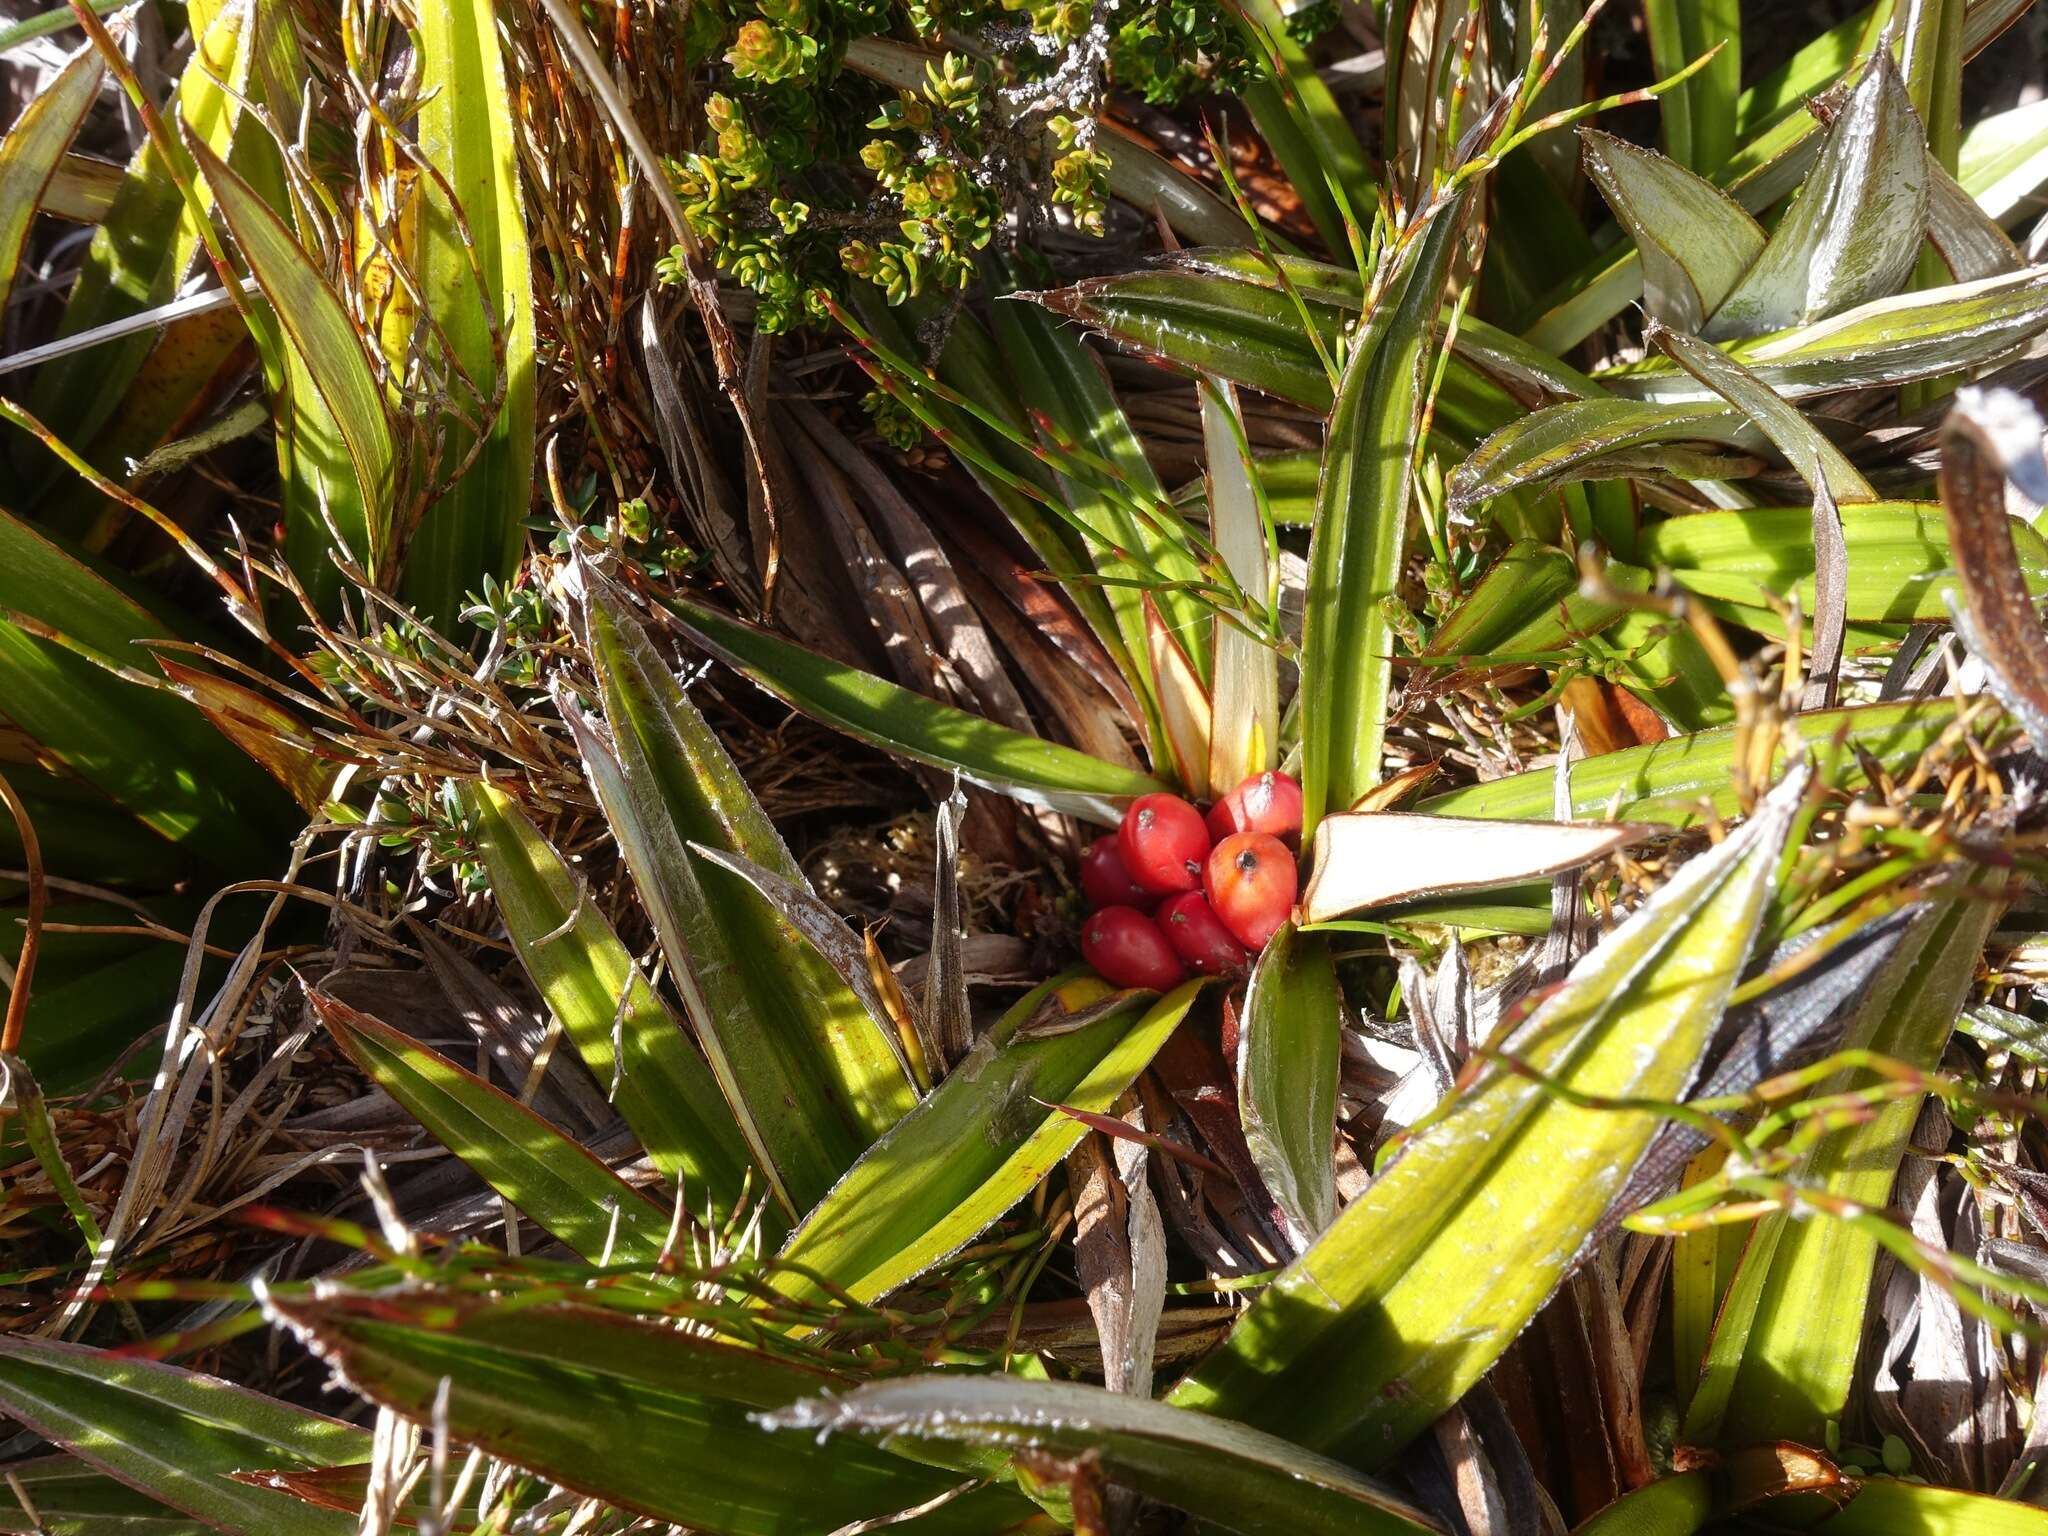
[[32, 937]]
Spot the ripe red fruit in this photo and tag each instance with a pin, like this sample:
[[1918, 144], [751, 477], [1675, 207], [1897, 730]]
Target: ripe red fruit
[[1198, 936], [1265, 802], [1104, 880], [1250, 881], [1128, 950], [1163, 842]]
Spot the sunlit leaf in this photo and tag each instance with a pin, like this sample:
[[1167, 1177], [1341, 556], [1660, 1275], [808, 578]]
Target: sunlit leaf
[[1786, 1342], [175, 1435], [467, 133], [1695, 241], [543, 1171], [984, 1138], [33, 147], [1854, 232], [809, 1074], [619, 1026], [1687, 779], [1355, 553]]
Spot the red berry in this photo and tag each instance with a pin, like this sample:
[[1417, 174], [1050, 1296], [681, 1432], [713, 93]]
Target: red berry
[[1250, 881], [1128, 950], [1105, 881], [1163, 843], [1198, 936], [1265, 802]]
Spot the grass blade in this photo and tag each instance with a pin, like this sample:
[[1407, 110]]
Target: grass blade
[[1435, 1269], [618, 1024], [983, 1139], [1354, 561]]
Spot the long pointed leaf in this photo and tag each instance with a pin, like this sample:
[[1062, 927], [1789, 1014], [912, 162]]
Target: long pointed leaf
[[316, 332], [33, 147], [176, 1435], [636, 1413], [1854, 232], [1354, 561], [810, 1075], [1786, 1343], [893, 718], [983, 1139], [468, 133], [1287, 1059], [1231, 1475], [544, 1172]]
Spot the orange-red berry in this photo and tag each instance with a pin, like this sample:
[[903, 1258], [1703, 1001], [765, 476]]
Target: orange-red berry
[[1265, 802], [1127, 950], [1163, 841], [1250, 882], [1198, 936], [1105, 882]]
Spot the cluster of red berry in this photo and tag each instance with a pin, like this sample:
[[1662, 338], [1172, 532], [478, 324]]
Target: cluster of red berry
[[1172, 891]]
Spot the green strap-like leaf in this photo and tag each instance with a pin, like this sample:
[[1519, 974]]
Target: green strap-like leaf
[[1232, 1476], [619, 1026], [1887, 341], [149, 751], [1785, 1345], [545, 1173], [635, 1413], [984, 1138], [1585, 439], [73, 1499], [812, 1077], [1426, 1277], [316, 333], [1354, 559], [1697, 118], [30, 153], [1854, 232], [1901, 569], [468, 133], [889, 716], [175, 1436], [1695, 240], [1288, 1048], [1682, 781]]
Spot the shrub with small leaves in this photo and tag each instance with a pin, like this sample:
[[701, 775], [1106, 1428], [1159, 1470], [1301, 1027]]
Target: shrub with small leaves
[[811, 175]]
